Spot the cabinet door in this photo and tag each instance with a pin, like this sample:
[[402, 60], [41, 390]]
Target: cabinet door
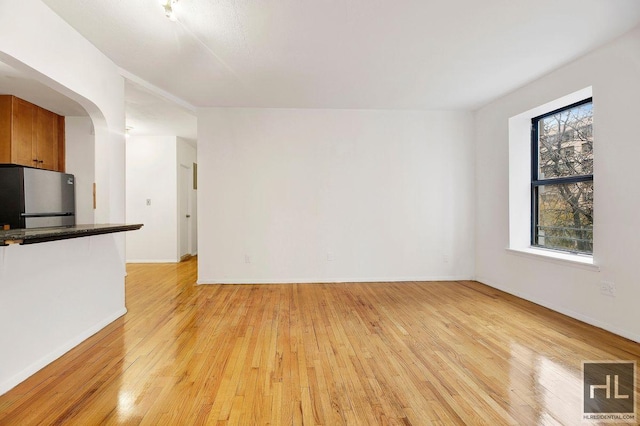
[[6, 108], [46, 139], [60, 137], [23, 150]]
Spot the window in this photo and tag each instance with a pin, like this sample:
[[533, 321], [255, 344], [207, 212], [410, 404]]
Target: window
[[562, 179]]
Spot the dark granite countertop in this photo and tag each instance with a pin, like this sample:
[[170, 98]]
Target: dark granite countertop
[[41, 235]]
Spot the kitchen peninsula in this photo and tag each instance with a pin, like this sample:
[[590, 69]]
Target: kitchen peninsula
[[58, 286]]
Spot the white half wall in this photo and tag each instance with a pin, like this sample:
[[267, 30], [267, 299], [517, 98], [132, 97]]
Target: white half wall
[[152, 176], [80, 152], [53, 307], [613, 73], [288, 195]]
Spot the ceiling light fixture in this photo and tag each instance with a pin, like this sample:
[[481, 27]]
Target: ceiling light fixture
[[169, 11]]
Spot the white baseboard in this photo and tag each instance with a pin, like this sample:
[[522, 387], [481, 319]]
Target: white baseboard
[[205, 281], [12, 382], [153, 260], [575, 315]]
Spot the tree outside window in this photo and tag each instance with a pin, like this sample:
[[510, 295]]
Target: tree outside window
[[562, 179]]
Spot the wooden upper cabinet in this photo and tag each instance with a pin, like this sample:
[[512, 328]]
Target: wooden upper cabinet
[[30, 135], [46, 140], [22, 146]]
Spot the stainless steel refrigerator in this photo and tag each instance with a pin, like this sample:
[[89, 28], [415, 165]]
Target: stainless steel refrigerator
[[36, 198]]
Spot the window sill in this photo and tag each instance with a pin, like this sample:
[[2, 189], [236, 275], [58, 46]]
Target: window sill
[[566, 259]]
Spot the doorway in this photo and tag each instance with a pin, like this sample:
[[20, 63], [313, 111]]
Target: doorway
[[186, 222]]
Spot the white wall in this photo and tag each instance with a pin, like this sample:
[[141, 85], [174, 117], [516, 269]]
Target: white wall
[[89, 291], [152, 175], [613, 72], [74, 291], [80, 152], [334, 195], [187, 156]]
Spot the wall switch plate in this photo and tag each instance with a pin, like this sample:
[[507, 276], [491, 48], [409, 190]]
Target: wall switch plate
[[608, 288], [330, 257], [148, 201]]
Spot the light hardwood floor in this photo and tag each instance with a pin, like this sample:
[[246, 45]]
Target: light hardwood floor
[[363, 354]]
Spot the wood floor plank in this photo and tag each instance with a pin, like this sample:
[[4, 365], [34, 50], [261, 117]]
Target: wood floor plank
[[439, 353]]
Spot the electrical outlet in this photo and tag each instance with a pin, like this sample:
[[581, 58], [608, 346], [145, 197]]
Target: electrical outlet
[[608, 288], [445, 258], [247, 258], [330, 257], [148, 201]]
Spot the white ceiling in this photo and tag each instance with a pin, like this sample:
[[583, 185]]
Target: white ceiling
[[407, 54], [147, 113], [14, 82]]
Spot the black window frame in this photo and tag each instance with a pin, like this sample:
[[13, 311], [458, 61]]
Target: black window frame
[[536, 183]]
